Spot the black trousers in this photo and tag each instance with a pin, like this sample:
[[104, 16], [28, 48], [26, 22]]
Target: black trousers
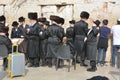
[[43, 52], [93, 63], [5, 63]]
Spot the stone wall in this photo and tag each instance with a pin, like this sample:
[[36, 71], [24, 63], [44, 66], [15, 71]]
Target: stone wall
[[69, 9]]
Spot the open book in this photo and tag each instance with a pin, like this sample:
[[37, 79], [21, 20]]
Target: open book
[[17, 41]]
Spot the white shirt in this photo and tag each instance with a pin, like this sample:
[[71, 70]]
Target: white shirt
[[116, 34]]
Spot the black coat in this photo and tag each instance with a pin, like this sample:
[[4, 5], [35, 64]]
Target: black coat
[[23, 32], [91, 44], [54, 39], [33, 41], [80, 32], [15, 33]]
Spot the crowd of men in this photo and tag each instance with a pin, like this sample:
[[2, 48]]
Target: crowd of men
[[43, 38]]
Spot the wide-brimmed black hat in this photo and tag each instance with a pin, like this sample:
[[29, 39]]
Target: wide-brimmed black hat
[[42, 19], [2, 18], [97, 22], [84, 14], [54, 18], [21, 19], [72, 22], [61, 21], [32, 15], [15, 24]]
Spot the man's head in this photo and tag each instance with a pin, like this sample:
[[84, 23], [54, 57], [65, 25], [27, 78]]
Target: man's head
[[98, 78], [60, 21], [72, 22], [15, 24], [118, 21], [2, 19], [33, 17], [41, 20], [54, 19], [84, 15], [105, 22], [97, 23], [21, 20], [3, 29]]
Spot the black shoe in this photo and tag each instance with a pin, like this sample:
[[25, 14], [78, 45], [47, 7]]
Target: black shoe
[[92, 69], [83, 64]]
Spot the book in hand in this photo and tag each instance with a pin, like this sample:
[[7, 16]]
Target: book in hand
[[17, 40]]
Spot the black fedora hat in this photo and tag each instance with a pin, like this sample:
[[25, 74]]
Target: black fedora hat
[[15, 24], [21, 19], [97, 22]]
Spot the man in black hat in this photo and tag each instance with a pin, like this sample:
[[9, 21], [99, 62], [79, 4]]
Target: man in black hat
[[54, 39], [15, 33], [91, 45], [80, 33], [43, 41], [33, 40], [69, 35], [3, 20], [23, 34]]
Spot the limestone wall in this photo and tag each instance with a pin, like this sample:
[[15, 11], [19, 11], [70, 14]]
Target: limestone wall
[[69, 9]]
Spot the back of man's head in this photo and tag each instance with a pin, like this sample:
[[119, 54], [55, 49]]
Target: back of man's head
[[118, 21], [105, 22], [98, 78]]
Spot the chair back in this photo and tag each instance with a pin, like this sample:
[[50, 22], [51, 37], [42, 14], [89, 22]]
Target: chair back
[[63, 52], [3, 51]]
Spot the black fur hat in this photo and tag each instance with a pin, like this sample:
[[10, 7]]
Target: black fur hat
[[43, 19], [15, 24], [84, 14], [32, 15], [72, 22], [61, 21], [54, 18], [97, 22], [2, 18], [21, 19]]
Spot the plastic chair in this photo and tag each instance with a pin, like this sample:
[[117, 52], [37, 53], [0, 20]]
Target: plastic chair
[[63, 53], [3, 51]]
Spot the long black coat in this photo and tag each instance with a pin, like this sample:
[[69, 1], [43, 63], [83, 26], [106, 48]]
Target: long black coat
[[54, 39], [33, 41], [91, 44], [80, 32], [23, 32]]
